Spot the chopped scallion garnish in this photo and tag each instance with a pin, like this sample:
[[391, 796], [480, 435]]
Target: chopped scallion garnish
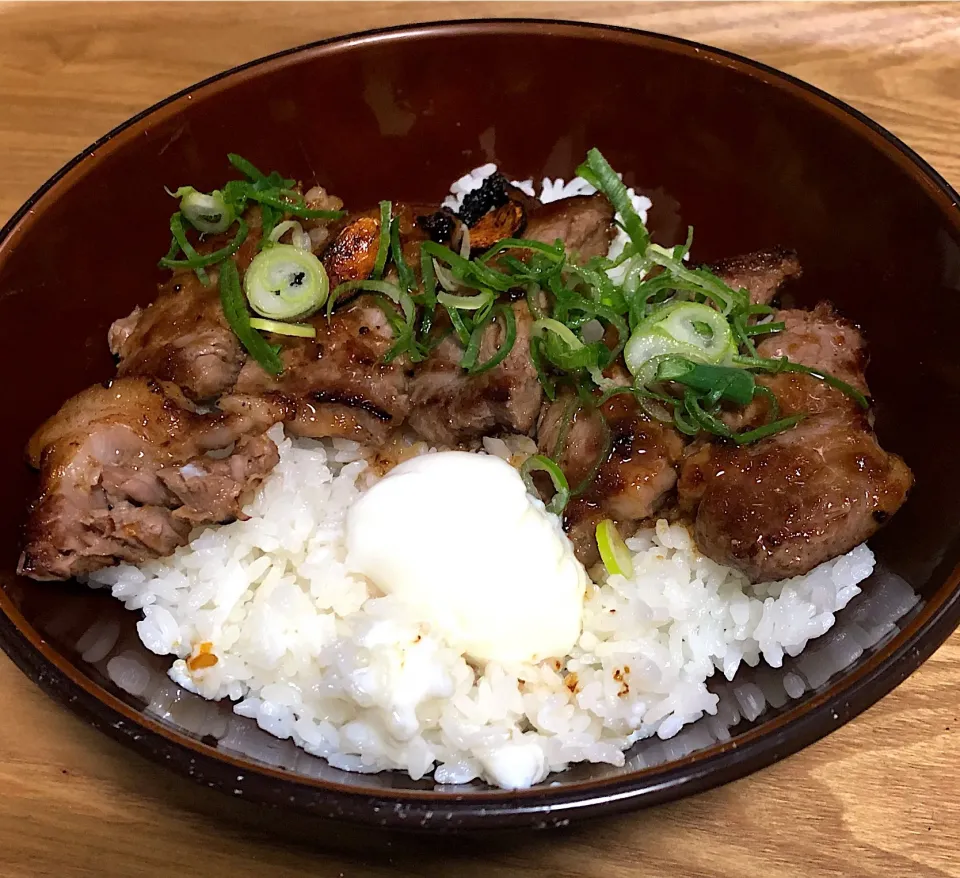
[[466, 303], [180, 237], [408, 280], [383, 246], [209, 214], [509, 339], [597, 171], [614, 553], [539, 463], [286, 283], [685, 336], [301, 330], [238, 317]]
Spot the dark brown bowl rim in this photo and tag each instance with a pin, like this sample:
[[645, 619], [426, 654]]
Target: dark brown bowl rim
[[443, 810]]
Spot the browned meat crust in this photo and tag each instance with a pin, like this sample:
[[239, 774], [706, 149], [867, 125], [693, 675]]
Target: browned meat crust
[[636, 476], [335, 384], [125, 475], [584, 223], [781, 507], [788, 503], [823, 339], [183, 336], [449, 406], [762, 273], [820, 338]]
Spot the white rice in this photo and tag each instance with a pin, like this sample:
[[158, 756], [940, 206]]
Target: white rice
[[314, 653]]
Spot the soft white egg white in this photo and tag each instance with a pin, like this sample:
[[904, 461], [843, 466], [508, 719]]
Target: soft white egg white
[[457, 537]]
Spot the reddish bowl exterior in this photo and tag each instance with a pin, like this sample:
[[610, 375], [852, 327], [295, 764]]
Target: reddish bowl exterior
[[749, 156]]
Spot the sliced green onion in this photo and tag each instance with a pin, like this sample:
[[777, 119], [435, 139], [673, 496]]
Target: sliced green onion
[[466, 303], [684, 422], [571, 359], [611, 392], [459, 325], [209, 214], [602, 454], [738, 323], [198, 261], [765, 328], [385, 288], [405, 274], [238, 318], [445, 276], [746, 438], [546, 382], [706, 421], [694, 408], [537, 462], [468, 271], [771, 398], [301, 330], [287, 206], [262, 181], [286, 283], [705, 282], [180, 236], [597, 171], [784, 365], [172, 252], [563, 332], [726, 382], [533, 294], [566, 421], [269, 217], [614, 553], [681, 251], [298, 237], [383, 246], [551, 251], [429, 296], [509, 339], [678, 329], [245, 167], [403, 328], [429, 279], [472, 349]]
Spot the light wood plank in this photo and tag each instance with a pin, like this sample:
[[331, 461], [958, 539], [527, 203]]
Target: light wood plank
[[877, 798]]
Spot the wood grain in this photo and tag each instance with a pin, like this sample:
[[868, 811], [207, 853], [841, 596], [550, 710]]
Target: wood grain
[[880, 797]]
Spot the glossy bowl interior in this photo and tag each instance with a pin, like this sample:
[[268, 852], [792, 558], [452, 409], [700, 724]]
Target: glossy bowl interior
[[748, 156]]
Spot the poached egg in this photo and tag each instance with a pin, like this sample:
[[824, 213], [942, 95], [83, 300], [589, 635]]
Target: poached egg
[[456, 536]]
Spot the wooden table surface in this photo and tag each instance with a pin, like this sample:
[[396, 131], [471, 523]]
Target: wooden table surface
[[879, 797]]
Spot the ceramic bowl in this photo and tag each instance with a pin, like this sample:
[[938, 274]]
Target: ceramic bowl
[[749, 156]]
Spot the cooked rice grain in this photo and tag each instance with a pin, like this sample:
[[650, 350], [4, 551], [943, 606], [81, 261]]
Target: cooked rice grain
[[314, 653]]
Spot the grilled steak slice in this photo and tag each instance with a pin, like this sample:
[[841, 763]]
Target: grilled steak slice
[[584, 223], [335, 384], [632, 472], [786, 504], [762, 274], [125, 474], [449, 406], [780, 507]]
